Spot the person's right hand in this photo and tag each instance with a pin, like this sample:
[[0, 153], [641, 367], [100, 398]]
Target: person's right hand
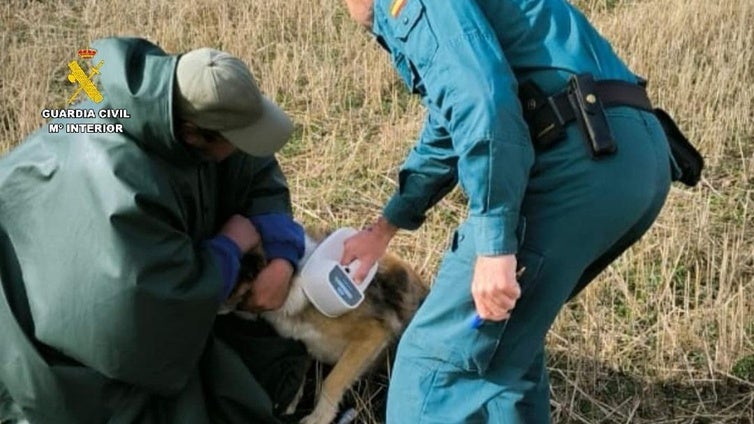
[[495, 287], [240, 229], [368, 246]]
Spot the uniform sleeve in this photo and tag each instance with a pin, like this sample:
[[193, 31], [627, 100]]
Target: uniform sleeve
[[470, 90], [428, 174]]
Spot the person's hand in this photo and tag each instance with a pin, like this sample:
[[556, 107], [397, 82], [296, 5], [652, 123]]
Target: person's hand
[[270, 289], [361, 11], [240, 229], [367, 246], [494, 286]]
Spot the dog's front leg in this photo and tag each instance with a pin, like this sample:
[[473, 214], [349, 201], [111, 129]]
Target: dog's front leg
[[297, 399], [357, 358]]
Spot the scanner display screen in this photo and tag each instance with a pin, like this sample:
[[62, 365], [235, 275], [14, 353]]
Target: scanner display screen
[[343, 286]]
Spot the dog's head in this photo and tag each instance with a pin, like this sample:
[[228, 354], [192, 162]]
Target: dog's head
[[251, 264], [254, 261]]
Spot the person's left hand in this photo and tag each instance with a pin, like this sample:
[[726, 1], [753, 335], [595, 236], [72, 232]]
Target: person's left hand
[[494, 286], [269, 290]]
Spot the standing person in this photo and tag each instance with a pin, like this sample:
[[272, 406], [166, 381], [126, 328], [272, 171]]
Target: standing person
[[552, 138], [117, 250]]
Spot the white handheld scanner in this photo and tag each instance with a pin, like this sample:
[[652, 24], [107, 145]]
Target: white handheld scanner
[[328, 284]]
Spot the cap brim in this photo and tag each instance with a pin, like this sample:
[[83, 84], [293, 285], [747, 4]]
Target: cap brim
[[267, 135]]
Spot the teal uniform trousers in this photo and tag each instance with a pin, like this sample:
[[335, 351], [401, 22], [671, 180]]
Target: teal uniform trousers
[[563, 213]]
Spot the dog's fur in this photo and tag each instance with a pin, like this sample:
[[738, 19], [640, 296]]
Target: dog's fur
[[352, 342]]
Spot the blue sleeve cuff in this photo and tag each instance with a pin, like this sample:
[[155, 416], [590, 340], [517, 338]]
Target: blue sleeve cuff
[[282, 237], [228, 258], [282, 251]]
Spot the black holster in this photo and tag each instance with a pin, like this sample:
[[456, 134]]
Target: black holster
[[542, 115], [590, 114]]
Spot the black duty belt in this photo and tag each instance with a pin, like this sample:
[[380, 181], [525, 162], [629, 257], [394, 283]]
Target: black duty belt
[[583, 100]]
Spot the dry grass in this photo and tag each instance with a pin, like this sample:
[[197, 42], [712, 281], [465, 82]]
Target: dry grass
[[666, 334]]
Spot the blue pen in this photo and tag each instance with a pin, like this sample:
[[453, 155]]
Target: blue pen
[[476, 322]]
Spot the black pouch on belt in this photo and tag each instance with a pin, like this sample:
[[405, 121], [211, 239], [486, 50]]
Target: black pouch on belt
[[688, 159], [546, 126], [591, 115]]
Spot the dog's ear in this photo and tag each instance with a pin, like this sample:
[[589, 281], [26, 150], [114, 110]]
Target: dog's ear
[[252, 264]]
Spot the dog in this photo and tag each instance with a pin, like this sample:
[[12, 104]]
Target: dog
[[354, 342]]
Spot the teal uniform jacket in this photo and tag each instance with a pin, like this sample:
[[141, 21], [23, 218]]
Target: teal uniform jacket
[[565, 215], [109, 293], [466, 58]]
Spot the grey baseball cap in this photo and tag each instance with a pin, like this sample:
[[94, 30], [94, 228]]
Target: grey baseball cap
[[216, 91]]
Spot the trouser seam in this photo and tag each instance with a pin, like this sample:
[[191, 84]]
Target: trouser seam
[[430, 390]]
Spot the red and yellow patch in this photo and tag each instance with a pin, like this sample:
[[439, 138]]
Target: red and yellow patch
[[396, 7]]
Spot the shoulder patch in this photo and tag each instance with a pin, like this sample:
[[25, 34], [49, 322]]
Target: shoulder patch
[[396, 7]]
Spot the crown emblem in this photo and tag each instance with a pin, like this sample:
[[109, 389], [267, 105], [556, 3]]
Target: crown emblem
[[87, 53]]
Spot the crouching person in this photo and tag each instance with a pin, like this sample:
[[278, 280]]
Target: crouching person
[[116, 250]]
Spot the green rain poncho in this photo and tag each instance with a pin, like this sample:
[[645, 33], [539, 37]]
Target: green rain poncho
[[108, 295]]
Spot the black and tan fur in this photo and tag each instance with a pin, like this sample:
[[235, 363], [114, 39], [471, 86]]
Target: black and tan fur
[[355, 341]]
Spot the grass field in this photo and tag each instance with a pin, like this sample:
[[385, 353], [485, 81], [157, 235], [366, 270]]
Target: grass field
[[666, 334]]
